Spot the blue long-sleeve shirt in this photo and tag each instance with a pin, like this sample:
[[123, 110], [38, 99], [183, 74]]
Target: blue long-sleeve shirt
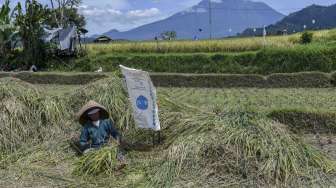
[[98, 135]]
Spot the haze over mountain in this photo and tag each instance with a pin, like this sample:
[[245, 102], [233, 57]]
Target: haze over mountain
[[310, 18], [228, 18]]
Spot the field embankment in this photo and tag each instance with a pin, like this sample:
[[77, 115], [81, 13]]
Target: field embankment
[[55, 78], [288, 80], [266, 61]]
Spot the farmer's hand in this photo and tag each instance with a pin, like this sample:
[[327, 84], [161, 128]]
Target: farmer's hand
[[118, 141]]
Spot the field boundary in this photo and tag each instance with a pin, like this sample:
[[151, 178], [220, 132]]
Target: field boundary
[[283, 80], [306, 122], [55, 78]]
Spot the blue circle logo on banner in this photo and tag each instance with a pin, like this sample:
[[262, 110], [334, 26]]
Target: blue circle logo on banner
[[142, 103]]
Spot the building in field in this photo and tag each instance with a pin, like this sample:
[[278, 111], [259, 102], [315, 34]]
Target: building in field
[[103, 39]]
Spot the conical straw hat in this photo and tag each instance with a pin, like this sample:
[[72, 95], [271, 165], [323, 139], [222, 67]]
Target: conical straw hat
[[82, 114]]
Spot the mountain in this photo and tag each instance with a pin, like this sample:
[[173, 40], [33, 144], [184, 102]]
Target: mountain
[[312, 17], [228, 18]]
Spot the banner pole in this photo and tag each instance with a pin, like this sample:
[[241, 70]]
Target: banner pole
[[153, 137]]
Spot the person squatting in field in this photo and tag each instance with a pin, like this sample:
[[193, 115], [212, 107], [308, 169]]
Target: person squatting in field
[[97, 128]]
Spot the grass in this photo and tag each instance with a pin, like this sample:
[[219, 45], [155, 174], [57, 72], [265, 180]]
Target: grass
[[257, 100], [224, 45], [24, 105], [56, 89], [312, 57], [201, 147], [208, 46], [317, 56]]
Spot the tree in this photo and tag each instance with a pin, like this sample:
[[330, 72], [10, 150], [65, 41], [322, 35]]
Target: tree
[[168, 35], [65, 14], [7, 29], [31, 31]]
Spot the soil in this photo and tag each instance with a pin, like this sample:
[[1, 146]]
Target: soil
[[324, 142]]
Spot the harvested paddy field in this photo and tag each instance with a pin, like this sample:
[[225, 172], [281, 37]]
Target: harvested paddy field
[[309, 110], [210, 137], [255, 99]]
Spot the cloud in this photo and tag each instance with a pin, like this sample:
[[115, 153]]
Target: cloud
[[113, 15], [101, 19], [147, 13], [90, 12], [114, 4]]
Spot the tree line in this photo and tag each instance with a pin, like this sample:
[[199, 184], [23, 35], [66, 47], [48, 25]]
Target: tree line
[[24, 26]]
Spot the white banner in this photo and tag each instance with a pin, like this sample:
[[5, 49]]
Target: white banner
[[142, 94]]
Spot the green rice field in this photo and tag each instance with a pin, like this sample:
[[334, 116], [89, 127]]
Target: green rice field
[[209, 46]]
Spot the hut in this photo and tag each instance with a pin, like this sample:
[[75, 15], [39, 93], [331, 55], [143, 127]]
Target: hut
[[103, 39]]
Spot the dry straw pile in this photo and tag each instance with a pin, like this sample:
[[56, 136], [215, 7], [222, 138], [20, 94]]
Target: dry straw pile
[[199, 148]]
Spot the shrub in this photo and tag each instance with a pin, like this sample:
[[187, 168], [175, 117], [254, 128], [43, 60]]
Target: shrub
[[299, 59], [306, 37]]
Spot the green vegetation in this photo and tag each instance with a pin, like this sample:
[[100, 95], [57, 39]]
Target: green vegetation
[[22, 31], [281, 54], [317, 100], [277, 60], [206, 46], [306, 37], [29, 21], [7, 35], [310, 18], [210, 137], [233, 56]]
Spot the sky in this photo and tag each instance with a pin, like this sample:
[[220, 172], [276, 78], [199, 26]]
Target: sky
[[104, 15]]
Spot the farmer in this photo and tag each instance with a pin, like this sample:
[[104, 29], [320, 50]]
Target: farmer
[[97, 128]]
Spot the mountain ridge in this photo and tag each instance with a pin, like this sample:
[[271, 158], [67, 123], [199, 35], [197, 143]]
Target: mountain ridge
[[312, 17], [228, 17]]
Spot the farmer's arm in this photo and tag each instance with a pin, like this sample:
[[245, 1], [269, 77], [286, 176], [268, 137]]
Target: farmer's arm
[[114, 133], [84, 137]]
